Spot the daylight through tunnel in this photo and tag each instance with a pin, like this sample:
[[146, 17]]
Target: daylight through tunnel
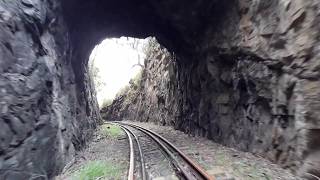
[[242, 73]]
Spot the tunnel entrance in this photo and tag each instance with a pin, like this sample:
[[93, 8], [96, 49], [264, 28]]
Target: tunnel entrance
[[243, 73], [113, 63]]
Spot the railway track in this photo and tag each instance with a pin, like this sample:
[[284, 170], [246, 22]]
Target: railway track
[[152, 157]]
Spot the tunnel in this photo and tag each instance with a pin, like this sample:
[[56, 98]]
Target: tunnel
[[246, 75]]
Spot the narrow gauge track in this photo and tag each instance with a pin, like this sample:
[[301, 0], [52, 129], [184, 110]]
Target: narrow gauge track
[[184, 167]]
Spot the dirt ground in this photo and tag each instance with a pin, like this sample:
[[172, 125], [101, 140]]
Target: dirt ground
[[219, 160], [114, 150]]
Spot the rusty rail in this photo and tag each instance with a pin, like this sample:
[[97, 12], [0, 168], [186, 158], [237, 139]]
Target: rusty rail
[[143, 171], [191, 163]]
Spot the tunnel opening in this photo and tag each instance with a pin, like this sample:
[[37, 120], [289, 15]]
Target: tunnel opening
[[114, 63], [263, 98], [155, 67]]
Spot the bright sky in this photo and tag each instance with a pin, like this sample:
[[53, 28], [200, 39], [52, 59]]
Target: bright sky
[[115, 59]]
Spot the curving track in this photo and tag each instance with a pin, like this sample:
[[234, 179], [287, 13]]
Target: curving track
[[182, 166]]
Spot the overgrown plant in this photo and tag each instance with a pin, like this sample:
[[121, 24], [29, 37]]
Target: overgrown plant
[[106, 103], [111, 131], [123, 90], [98, 170], [136, 80]]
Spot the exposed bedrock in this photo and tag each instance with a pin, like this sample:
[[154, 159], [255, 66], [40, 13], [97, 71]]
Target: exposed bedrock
[[246, 74], [235, 99], [45, 114], [251, 82]]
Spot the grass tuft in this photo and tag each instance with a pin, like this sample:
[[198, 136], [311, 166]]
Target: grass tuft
[[111, 130], [98, 170]]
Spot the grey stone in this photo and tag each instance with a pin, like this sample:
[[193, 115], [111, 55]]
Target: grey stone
[[259, 59]]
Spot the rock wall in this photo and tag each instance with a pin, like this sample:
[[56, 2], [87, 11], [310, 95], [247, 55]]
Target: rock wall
[[43, 116], [154, 97], [251, 83], [246, 74]]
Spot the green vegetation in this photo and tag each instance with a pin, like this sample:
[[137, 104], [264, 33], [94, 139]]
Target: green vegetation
[[130, 91], [106, 102], [135, 81], [98, 170], [221, 159], [123, 90], [110, 130]]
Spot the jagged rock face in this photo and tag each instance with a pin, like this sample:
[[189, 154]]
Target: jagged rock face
[[42, 114], [250, 83], [246, 75], [155, 97], [236, 101]]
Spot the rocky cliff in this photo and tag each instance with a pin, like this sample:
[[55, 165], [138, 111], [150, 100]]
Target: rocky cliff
[[245, 73], [154, 95]]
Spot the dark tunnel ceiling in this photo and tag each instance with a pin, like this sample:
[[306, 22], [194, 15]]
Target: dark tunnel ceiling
[[176, 24]]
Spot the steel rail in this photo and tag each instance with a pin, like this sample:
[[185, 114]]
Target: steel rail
[[173, 159], [143, 171], [194, 165], [131, 164]]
